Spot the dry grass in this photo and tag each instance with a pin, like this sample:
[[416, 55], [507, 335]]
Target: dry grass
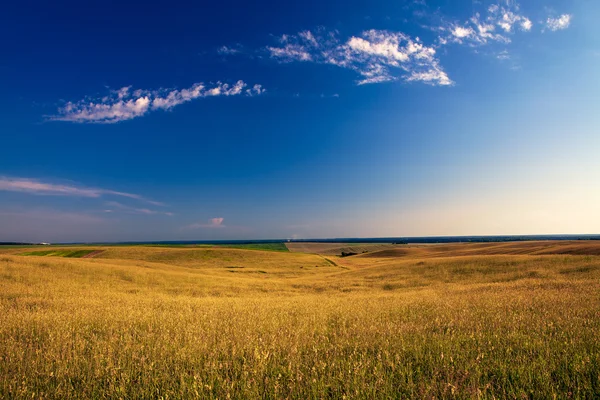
[[498, 248], [141, 322], [335, 249]]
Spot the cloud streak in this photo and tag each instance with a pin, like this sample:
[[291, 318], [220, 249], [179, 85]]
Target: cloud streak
[[37, 187], [125, 104], [133, 210], [226, 50], [496, 25], [383, 55], [376, 55], [213, 223]]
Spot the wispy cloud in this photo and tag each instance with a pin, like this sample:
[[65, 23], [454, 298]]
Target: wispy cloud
[[125, 104], [229, 50], [560, 23], [290, 52], [503, 55], [376, 55], [133, 210], [213, 223], [383, 56], [37, 187], [498, 23]]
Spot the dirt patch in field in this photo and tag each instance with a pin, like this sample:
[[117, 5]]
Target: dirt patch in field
[[93, 254], [389, 253]]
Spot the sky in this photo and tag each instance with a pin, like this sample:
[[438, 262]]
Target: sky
[[128, 121]]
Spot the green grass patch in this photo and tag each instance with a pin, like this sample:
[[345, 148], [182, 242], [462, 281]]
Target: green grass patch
[[59, 253], [330, 261]]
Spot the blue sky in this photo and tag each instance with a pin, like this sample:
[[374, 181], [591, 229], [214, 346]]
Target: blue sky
[[281, 120]]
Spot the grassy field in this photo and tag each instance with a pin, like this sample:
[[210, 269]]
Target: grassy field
[[518, 320], [246, 246], [59, 253], [258, 246], [336, 249]]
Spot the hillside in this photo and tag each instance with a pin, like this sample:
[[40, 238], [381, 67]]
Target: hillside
[[435, 322]]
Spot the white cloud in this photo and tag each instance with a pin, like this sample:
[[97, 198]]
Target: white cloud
[[213, 223], [217, 222], [255, 90], [376, 55], [134, 210], [290, 52], [497, 26], [124, 104], [560, 23], [177, 97], [35, 186], [229, 50], [503, 55], [483, 29], [309, 37], [434, 76], [462, 32], [120, 110], [383, 46], [383, 56], [508, 19]]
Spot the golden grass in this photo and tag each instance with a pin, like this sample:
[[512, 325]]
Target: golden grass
[[137, 322], [336, 249]]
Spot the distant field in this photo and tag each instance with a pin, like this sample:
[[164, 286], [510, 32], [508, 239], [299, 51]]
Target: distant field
[[501, 248], [497, 320], [59, 253], [247, 246], [258, 246], [336, 249]]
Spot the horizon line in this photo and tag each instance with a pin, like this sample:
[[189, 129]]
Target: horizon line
[[413, 239]]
